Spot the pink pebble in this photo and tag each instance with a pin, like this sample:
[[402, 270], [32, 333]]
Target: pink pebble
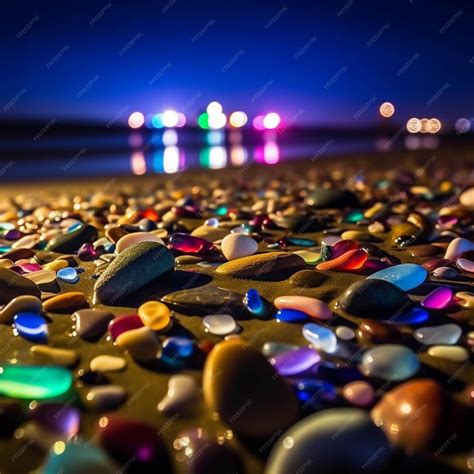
[[123, 324], [438, 299], [30, 267], [313, 307], [359, 393], [465, 265]]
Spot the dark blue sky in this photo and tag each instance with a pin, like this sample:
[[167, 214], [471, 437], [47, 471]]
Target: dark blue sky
[[323, 62]]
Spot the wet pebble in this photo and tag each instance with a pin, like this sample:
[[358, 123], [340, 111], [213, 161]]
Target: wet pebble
[[313, 307], [142, 344], [91, 324], [442, 334], [457, 354], [65, 302], [31, 326], [128, 240], [219, 324], [438, 299], [25, 303], [320, 337], [68, 275], [405, 276], [359, 393], [107, 363], [105, 397], [155, 315], [12, 285], [182, 396], [238, 245], [295, 361]]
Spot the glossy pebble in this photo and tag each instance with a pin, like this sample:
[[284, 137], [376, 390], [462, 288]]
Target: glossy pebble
[[134, 238], [291, 316], [22, 381], [446, 273], [457, 247], [26, 242], [91, 324], [438, 299], [219, 324], [142, 344], [296, 361], [58, 418], [315, 308], [456, 354], [238, 245], [390, 362], [20, 304], [177, 348], [105, 397], [254, 302], [309, 257], [314, 392], [65, 302], [443, 334], [42, 277], [466, 299], [320, 337], [359, 393], [465, 265], [31, 326], [123, 324], [183, 393], [55, 355], [345, 333], [188, 244], [155, 315], [107, 363], [405, 276], [351, 260], [68, 275], [412, 315]]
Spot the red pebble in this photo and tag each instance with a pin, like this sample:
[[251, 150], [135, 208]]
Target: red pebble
[[352, 260], [123, 324]]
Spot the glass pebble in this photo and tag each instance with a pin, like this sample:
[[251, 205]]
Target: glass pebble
[[296, 361], [320, 337], [68, 275], [219, 324], [438, 299], [254, 302], [31, 326], [442, 334]]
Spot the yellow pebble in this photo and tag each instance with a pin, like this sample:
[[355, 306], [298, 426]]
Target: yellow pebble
[[376, 210], [309, 257], [154, 315], [466, 299], [55, 265]]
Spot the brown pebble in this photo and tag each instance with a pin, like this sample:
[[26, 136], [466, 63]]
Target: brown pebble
[[115, 233], [376, 332], [65, 303], [18, 254], [424, 250]]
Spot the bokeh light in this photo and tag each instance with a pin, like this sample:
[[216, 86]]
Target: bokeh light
[[387, 109], [203, 120], [217, 120], [170, 137], [136, 120], [181, 120], [433, 125], [157, 121], [258, 122], [271, 121], [238, 119], [215, 137], [214, 108], [138, 163], [414, 125], [271, 153], [170, 118], [462, 125], [424, 125]]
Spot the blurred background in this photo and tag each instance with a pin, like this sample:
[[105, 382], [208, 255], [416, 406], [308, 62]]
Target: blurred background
[[122, 87]]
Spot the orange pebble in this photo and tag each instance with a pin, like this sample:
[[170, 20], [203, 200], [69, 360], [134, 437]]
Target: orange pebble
[[351, 260]]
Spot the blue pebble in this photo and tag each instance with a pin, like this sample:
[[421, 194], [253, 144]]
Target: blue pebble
[[177, 348], [74, 227], [68, 275], [254, 302], [291, 316], [31, 326], [320, 337], [310, 391], [405, 276], [413, 315]]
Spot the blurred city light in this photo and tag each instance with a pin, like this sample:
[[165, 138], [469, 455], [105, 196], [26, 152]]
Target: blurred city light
[[271, 121], [238, 119], [387, 109], [157, 121], [170, 118], [136, 120], [414, 125], [258, 122], [217, 120], [214, 108], [203, 120], [462, 125]]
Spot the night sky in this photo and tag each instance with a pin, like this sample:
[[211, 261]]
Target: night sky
[[315, 62]]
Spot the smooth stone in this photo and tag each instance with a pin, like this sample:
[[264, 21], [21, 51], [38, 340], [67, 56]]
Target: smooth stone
[[107, 363], [466, 299], [443, 334], [334, 441], [114, 234], [71, 241], [155, 315], [219, 324], [458, 246], [371, 332], [65, 302], [237, 246], [91, 324], [18, 254], [68, 275], [12, 285], [411, 415], [105, 397], [77, 458], [254, 302], [373, 298], [20, 304], [359, 393], [177, 349], [42, 277], [261, 266], [313, 307], [320, 337], [446, 273], [307, 279], [465, 265], [424, 250], [142, 344], [345, 333], [358, 236], [134, 238], [29, 267], [466, 198], [134, 268], [351, 260], [133, 443], [31, 326], [187, 260], [294, 362], [55, 355], [405, 276], [210, 233], [456, 354], [438, 298], [26, 242], [188, 244], [412, 315], [55, 265], [309, 257], [271, 349], [59, 418], [90, 377], [22, 381], [204, 300], [124, 323], [334, 198], [249, 409], [392, 362], [182, 396], [291, 316]]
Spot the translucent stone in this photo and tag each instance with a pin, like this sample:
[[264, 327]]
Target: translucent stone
[[124, 323], [291, 316], [254, 302], [183, 392], [31, 326], [311, 258], [390, 362], [87, 252], [33, 382], [330, 240], [406, 275], [219, 324], [155, 315], [68, 275], [134, 238], [465, 265], [320, 337], [296, 361], [413, 315], [177, 347], [313, 392], [345, 333], [443, 334], [188, 244], [359, 393], [438, 299], [315, 308], [465, 299], [271, 349], [351, 260], [59, 418], [456, 247], [30, 267], [296, 241], [212, 222], [457, 354], [343, 246]]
